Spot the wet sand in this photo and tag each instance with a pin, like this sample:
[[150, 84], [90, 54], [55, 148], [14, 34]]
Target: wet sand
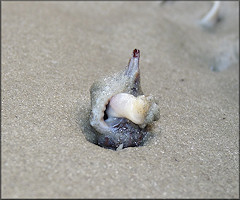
[[51, 54]]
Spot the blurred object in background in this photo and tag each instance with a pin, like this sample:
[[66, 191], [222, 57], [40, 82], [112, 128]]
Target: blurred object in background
[[212, 17]]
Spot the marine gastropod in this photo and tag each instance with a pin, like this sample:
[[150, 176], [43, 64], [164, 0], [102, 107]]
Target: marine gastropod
[[120, 112]]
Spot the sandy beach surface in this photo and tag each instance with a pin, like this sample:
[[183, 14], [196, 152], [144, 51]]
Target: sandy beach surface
[[52, 52]]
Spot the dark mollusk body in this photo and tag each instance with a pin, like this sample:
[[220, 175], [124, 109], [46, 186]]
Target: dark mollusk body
[[125, 132]]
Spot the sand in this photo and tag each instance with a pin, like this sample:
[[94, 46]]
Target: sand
[[52, 52]]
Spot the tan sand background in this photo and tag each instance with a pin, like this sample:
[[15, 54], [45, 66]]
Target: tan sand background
[[51, 54]]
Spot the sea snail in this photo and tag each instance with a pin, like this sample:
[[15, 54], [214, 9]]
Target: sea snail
[[120, 112]]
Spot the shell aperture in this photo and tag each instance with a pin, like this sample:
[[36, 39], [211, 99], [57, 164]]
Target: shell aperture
[[120, 112]]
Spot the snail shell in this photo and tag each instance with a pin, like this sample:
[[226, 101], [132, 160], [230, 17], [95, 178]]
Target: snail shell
[[120, 112]]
